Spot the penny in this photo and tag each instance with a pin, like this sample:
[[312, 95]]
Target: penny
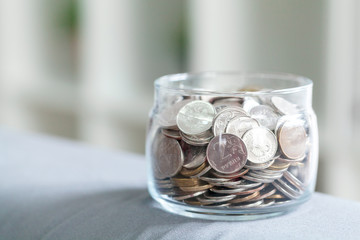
[[202, 172], [194, 157], [284, 107], [275, 196], [239, 125], [261, 144], [187, 196], [292, 139], [226, 153], [265, 115], [186, 182], [224, 116], [169, 157], [248, 191], [195, 117], [245, 199], [205, 200], [265, 194], [167, 117]]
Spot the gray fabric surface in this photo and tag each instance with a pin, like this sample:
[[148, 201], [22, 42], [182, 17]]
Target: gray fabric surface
[[57, 189]]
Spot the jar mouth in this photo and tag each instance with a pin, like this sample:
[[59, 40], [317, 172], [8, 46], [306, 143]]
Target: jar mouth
[[234, 83]]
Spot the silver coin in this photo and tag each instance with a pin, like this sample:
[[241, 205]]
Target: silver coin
[[169, 157], [265, 176], [167, 117], [239, 125], [257, 179], [292, 139], [267, 203], [265, 115], [194, 157], [286, 189], [197, 140], [261, 144], [222, 119], [294, 181], [250, 103], [205, 200], [214, 180], [245, 185], [195, 117], [284, 107], [248, 205], [259, 166]]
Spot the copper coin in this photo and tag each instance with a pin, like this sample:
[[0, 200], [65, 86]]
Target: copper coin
[[169, 157], [191, 172], [226, 153], [246, 198], [292, 139]]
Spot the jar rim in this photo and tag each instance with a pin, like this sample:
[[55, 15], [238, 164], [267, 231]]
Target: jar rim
[[303, 83]]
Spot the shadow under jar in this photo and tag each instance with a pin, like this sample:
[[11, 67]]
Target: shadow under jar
[[232, 146]]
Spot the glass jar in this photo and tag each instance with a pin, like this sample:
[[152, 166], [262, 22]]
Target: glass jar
[[232, 146]]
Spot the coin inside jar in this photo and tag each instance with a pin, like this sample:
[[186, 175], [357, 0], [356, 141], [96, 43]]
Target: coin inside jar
[[169, 157], [239, 125], [292, 139], [195, 117], [226, 153], [265, 115], [222, 119], [261, 144]]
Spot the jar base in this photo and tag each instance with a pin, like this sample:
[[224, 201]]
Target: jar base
[[228, 214]]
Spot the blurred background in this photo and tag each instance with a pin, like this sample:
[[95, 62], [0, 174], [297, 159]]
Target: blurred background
[[84, 69]]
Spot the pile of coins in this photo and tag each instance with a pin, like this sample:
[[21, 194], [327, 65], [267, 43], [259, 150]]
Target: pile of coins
[[235, 152]]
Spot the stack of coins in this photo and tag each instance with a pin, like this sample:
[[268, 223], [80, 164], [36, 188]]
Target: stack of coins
[[234, 152]]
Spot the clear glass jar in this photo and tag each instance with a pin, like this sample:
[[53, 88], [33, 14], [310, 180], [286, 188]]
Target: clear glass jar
[[232, 146]]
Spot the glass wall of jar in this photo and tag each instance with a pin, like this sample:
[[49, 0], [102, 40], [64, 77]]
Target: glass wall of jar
[[232, 146]]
